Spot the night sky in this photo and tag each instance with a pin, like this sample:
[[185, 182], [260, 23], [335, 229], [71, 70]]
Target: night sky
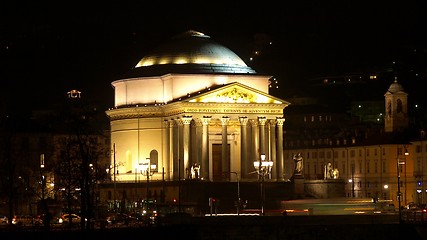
[[47, 50]]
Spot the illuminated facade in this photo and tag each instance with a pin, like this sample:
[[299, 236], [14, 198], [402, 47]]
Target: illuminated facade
[[369, 164], [194, 110]]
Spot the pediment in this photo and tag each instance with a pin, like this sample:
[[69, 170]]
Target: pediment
[[236, 93]]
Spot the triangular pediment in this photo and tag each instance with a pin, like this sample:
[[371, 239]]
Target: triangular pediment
[[235, 93]]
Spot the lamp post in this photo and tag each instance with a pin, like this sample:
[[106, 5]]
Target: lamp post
[[398, 190], [399, 193], [43, 180], [147, 169], [238, 193], [263, 168]]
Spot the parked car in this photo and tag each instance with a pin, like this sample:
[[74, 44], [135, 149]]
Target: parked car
[[23, 220], [39, 220], [4, 220], [65, 218], [118, 218]]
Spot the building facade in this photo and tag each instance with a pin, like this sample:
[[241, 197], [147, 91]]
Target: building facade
[[193, 110], [373, 164]]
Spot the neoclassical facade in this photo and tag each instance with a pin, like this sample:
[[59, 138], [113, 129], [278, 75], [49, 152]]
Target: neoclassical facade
[[193, 109]]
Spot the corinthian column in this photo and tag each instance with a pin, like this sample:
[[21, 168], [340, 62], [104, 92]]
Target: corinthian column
[[167, 151], [280, 161], [272, 146], [204, 166], [186, 120], [225, 165], [255, 142], [262, 121], [243, 147]]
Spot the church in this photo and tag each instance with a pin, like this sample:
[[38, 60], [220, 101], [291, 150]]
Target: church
[[192, 112]]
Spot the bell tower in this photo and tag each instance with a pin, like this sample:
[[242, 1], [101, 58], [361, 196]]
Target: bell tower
[[396, 108]]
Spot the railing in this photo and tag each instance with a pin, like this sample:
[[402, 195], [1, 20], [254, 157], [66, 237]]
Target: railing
[[414, 216]]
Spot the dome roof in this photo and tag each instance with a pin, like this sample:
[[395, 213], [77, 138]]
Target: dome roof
[[191, 52], [395, 87]]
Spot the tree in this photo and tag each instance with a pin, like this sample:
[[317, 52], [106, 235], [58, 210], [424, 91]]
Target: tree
[[82, 151]]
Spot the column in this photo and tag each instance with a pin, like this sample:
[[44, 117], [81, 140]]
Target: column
[[262, 121], [166, 152], [255, 144], [243, 147], [272, 146], [204, 166], [280, 161], [174, 141], [186, 120], [225, 165]]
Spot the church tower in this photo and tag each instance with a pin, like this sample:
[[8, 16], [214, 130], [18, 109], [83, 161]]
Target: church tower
[[396, 108]]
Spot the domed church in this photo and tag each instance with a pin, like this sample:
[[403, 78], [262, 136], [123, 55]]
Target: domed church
[[193, 111]]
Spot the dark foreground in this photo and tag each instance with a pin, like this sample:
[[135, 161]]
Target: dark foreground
[[249, 227]]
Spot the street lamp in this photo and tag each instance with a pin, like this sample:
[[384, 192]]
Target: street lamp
[[263, 168], [147, 169], [238, 193], [399, 193]]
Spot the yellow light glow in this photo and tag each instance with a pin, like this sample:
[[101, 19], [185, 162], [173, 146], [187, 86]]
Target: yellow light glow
[[164, 61], [201, 60], [181, 61]]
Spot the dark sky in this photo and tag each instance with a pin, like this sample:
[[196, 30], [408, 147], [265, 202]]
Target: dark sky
[[48, 49]]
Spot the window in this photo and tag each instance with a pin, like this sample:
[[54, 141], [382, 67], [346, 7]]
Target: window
[[376, 167], [368, 169], [360, 166], [399, 106]]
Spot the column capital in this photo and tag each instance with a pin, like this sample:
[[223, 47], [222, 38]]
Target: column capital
[[225, 120], [253, 122], [167, 124], [280, 121], [186, 120], [262, 120], [205, 120], [243, 120]]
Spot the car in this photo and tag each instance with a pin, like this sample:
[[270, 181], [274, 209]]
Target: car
[[118, 218], [4, 220], [23, 220], [65, 218], [39, 220]]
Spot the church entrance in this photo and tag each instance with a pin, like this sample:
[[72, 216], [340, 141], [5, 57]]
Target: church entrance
[[217, 168]]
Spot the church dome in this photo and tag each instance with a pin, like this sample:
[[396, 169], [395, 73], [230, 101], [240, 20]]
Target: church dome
[[190, 52], [395, 87]]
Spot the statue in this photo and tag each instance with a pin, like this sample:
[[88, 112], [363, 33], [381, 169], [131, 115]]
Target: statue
[[298, 163], [330, 173], [195, 171]]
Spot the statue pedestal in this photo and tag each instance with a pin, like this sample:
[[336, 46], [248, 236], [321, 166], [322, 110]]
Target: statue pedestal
[[298, 181]]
